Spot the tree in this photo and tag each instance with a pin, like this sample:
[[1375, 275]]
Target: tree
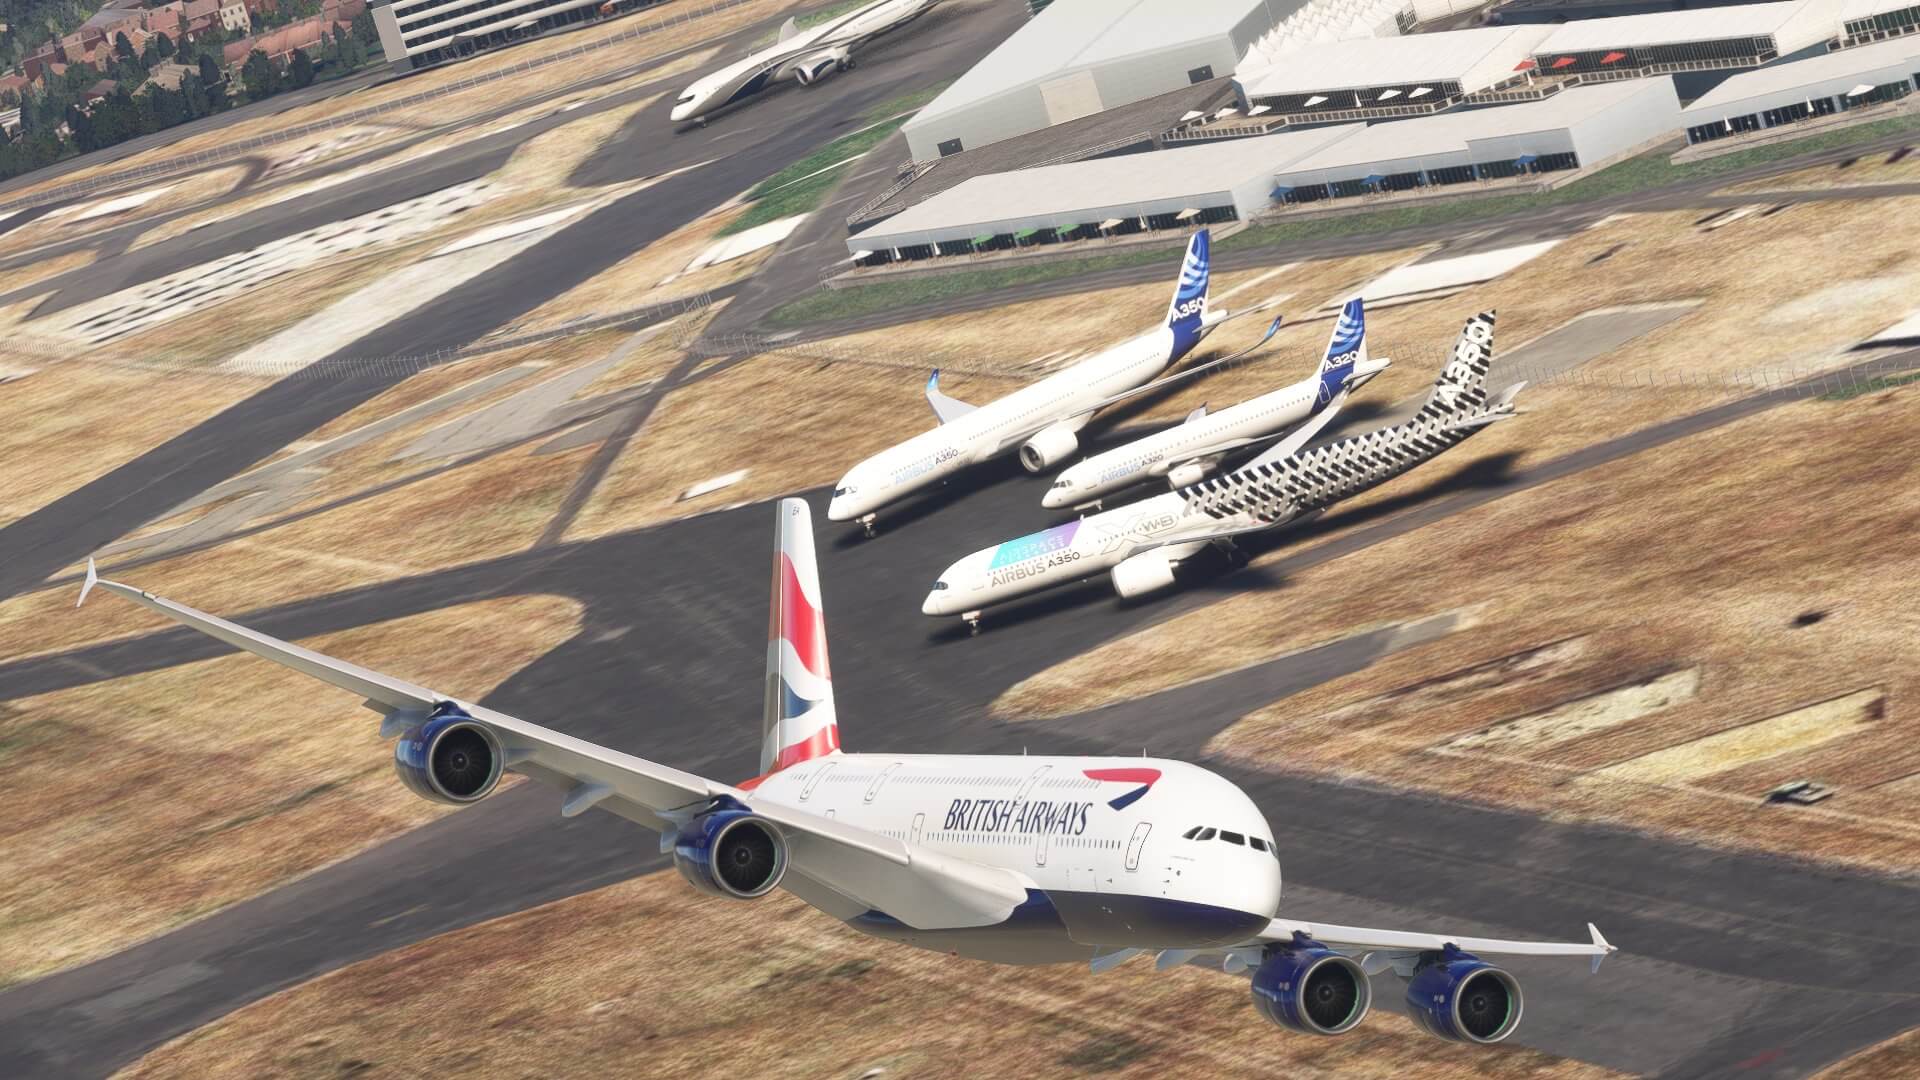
[[210, 71], [259, 76], [300, 69], [364, 29], [163, 45], [123, 46], [194, 100]]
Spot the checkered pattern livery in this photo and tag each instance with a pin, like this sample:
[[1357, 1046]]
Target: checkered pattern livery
[[1276, 491]]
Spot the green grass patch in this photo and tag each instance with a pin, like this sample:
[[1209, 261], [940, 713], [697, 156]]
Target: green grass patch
[[1643, 173], [1870, 386], [908, 102], [798, 188]]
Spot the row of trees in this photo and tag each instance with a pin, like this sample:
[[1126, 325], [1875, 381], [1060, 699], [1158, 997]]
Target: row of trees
[[134, 109]]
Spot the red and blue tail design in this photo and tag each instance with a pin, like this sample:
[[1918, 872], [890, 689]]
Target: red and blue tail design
[[799, 722]]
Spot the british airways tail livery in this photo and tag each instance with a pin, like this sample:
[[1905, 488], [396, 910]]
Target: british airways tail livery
[[1041, 421], [1014, 859], [1142, 543], [1193, 450], [799, 723]]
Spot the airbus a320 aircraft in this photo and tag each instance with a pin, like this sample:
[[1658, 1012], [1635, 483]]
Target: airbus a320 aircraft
[[1043, 420], [1142, 543], [1192, 450], [1019, 860], [805, 56]]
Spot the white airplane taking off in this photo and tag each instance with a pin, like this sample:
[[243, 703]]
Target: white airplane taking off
[[1043, 419], [805, 56], [1143, 542], [1014, 859], [1190, 452]]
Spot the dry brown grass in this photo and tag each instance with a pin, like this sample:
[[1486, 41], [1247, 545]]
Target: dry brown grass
[[569, 971], [1875, 168], [41, 269], [58, 226], [462, 103], [70, 422], [1701, 554], [212, 799], [1897, 1057]]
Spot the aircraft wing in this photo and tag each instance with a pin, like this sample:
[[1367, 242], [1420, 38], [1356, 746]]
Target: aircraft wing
[[938, 890], [1358, 938]]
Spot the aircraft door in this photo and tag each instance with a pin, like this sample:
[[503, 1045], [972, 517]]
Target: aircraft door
[[1040, 850], [807, 792], [919, 822], [1135, 844]]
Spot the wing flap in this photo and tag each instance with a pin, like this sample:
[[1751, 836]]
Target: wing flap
[[1360, 937]]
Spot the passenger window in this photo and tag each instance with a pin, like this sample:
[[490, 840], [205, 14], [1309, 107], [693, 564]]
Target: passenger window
[[1258, 844], [1190, 833], [1232, 837], [1205, 834]]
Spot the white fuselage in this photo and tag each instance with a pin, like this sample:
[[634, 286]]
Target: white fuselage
[[1152, 457], [1065, 553], [1099, 876], [1066, 397], [776, 62]]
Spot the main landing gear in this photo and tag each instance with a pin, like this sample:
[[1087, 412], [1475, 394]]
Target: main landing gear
[[972, 619], [866, 523]]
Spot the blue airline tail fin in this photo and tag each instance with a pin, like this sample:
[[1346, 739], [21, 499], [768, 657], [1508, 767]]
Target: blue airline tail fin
[[1189, 308], [1348, 345]]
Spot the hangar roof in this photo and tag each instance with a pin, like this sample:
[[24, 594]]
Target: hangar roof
[[1393, 61], [1670, 27], [1795, 74], [1078, 33]]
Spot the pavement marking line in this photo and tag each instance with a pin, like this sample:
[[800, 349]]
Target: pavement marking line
[[1456, 272], [745, 242], [707, 487], [1583, 716], [1797, 729], [105, 207], [1255, 280]]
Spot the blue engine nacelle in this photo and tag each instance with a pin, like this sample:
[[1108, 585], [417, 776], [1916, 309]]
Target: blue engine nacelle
[[1462, 998], [451, 758], [731, 852], [1309, 988]]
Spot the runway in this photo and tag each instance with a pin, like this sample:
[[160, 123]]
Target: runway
[[1733, 964]]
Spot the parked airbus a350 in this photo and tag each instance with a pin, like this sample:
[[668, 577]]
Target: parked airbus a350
[[805, 56], [1042, 420], [1019, 860], [1191, 451], [1143, 542]]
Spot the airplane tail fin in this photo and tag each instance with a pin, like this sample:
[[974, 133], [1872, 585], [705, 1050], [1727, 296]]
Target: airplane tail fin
[[1462, 387], [1348, 345], [1187, 314], [799, 723]]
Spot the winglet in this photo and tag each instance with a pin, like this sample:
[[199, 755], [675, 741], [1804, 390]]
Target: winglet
[[93, 578], [1600, 943]]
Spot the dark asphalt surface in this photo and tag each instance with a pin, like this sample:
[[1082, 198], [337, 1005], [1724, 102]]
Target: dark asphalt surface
[[1734, 965]]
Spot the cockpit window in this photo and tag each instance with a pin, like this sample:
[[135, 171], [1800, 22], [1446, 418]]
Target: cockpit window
[[1190, 833], [1232, 837], [938, 585], [1060, 484], [1205, 834], [689, 96], [1258, 844], [848, 490]]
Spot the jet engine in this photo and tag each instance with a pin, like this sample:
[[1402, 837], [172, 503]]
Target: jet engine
[[1190, 473], [730, 852], [1309, 988], [1138, 575], [1462, 998], [812, 69], [450, 758], [1047, 448]]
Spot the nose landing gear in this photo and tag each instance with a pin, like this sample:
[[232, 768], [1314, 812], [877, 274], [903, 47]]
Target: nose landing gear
[[972, 619], [866, 523]]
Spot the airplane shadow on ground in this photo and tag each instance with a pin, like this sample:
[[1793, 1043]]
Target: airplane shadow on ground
[[1214, 572]]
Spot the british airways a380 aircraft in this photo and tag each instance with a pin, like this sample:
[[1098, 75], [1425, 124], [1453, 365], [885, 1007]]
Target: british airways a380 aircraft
[[1189, 452], [805, 56], [1043, 420], [1018, 860]]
